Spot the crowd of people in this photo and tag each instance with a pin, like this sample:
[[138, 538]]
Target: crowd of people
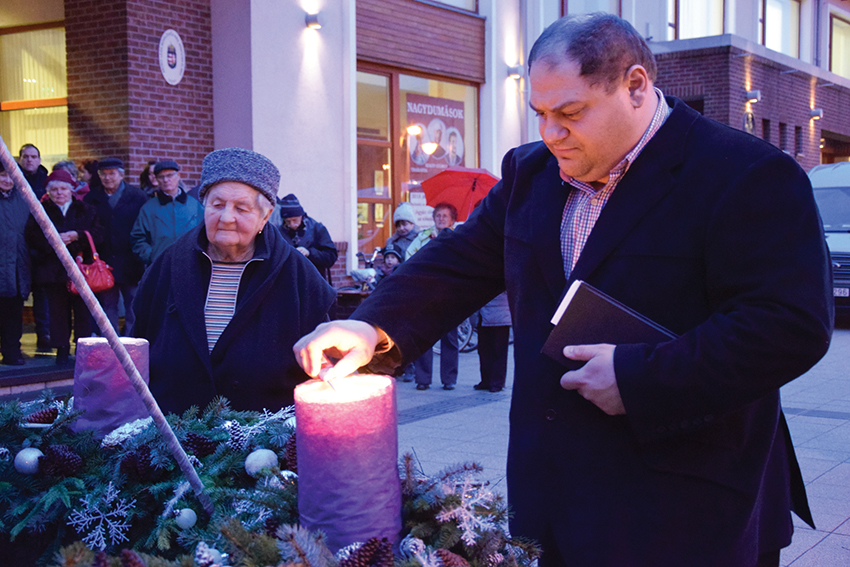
[[96, 210]]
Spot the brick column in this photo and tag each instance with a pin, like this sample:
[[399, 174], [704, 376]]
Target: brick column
[[118, 102]]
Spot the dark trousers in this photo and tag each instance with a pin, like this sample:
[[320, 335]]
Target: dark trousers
[[11, 326], [63, 305], [493, 355], [40, 313], [448, 362]]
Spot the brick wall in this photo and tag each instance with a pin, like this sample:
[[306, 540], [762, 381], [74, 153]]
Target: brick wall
[[719, 77], [118, 102]]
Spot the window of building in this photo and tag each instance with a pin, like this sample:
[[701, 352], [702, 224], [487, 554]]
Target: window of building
[[765, 130], [779, 26], [783, 136], [839, 47], [471, 5], [687, 19], [589, 6], [798, 141], [408, 129], [33, 91]]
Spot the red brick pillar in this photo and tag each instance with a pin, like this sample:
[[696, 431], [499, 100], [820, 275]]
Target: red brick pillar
[[119, 104]]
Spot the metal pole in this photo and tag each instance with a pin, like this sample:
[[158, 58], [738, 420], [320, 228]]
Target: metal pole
[[105, 326]]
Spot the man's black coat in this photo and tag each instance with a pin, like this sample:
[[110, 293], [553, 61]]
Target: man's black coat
[[715, 235]]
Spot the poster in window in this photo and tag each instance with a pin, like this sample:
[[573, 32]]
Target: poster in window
[[439, 143]]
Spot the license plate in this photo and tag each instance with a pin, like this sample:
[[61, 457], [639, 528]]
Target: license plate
[[841, 292]]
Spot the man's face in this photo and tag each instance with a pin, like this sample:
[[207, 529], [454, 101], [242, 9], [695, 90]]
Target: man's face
[[292, 223], [30, 160], [403, 227], [169, 182], [6, 183], [111, 179], [442, 219], [452, 144], [588, 129]]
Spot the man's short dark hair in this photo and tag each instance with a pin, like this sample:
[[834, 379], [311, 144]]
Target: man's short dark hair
[[603, 45], [449, 207], [25, 146]]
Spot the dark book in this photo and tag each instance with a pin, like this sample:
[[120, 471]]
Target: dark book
[[587, 316]]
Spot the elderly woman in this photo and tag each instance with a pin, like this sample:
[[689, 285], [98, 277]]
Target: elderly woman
[[223, 306], [72, 218]]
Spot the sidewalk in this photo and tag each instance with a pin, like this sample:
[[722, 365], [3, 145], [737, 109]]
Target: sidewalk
[[445, 428]]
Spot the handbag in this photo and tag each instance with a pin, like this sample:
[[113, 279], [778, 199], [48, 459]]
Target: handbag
[[98, 274]]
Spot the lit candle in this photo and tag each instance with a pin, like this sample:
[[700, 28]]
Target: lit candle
[[102, 388], [347, 442]]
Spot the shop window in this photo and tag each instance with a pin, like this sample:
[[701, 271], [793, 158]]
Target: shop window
[[408, 129], [589, 6], [839, 47], [779, 26], [33, 91]]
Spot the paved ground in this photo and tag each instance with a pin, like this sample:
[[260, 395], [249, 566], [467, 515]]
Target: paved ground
[[444, 428]]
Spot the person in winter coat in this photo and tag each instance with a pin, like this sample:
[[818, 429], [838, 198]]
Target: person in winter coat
[[405, 228], [29, 160], [72, 218], [165, 218], [118, 204], [494, 333], [14, 269], [224, 305], [307, 235]]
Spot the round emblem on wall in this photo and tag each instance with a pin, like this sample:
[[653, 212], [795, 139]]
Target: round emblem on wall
[[172, 57]]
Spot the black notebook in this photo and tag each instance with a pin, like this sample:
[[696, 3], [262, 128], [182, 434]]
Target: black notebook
[[587, 316]]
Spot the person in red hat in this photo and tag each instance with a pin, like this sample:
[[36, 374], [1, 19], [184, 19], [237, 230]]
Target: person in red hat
[[72, 218]]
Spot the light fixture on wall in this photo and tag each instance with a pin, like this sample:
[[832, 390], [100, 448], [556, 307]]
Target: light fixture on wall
[[816, 113], [429, 147], [314, 21], [516, 72], [753, 95]]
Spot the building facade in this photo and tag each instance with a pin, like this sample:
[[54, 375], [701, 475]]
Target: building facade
[[358, 112]]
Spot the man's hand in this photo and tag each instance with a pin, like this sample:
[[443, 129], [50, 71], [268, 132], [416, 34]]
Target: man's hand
[[304, 251], [353, 340], [595, 381]]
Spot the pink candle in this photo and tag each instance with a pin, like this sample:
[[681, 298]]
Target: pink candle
[[102, 388], [347, 440]]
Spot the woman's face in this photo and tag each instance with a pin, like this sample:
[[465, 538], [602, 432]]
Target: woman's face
[[233, 217], [60, 193]]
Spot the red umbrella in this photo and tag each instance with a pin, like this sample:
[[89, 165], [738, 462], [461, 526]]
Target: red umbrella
[[463, 187]]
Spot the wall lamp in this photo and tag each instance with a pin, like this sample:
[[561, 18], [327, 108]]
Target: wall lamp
[[516, 72], [754, 95], [314, 21], [816, 113]]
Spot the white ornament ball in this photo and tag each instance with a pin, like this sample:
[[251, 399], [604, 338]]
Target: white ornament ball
[[186, 518], [260, 459], [26, 461]]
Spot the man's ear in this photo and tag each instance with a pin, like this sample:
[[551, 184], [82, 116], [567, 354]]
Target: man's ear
[[639, 85]]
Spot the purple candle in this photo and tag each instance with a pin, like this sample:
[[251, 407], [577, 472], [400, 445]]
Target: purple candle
[[347, 440]]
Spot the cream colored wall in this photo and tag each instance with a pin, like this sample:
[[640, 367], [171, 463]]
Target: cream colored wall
[[27, 12]]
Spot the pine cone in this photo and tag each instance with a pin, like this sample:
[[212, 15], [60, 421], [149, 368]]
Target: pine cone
[[101, 559], [200, 445], [450, 559], [385, 557], [60, 460], [271, 525], [130, 558], [290, 455], [138, 465], [47, 415], [364, 556]]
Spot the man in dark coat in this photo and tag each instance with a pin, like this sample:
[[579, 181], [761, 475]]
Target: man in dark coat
[[117, 204], [650, 455], [14, 268], [306, 234], [29, 160]]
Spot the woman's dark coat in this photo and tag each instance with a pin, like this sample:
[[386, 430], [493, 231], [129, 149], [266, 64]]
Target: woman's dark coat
[[46, 267], [281, 298]]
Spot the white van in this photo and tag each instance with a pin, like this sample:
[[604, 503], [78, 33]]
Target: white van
[[831, 183]]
